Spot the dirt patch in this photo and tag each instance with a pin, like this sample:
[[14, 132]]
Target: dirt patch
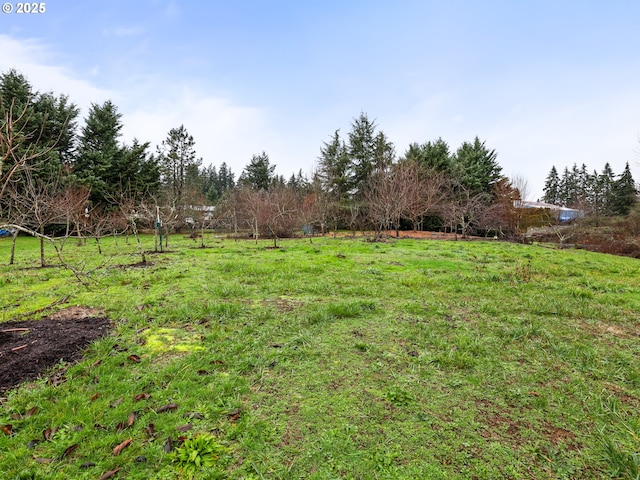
[[556, 435], [29, 348]]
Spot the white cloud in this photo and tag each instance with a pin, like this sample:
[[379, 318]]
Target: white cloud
[[42, 68], [223, 132]]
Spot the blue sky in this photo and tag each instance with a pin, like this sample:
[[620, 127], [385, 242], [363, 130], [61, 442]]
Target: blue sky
[[542, 82]]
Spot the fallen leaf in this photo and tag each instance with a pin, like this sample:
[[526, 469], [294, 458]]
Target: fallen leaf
[[87, 465], [57, 379], [131, 420], [140, 459], [49, 433], [168, 446], [234, 415], [167, 408], [44, 460], [120, 426], [202, 372], [8, 429], [196, 415], [69, 450], [134, 358], [97, 362], [32, 444], [150, 429], [94, 397], [117, 402], [184, 428], [141, 396], [122, 446], [109, 474], [16, 416]]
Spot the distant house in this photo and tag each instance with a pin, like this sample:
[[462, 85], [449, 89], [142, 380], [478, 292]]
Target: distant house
[[206, 215], [562, 214]]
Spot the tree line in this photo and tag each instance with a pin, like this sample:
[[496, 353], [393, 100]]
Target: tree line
[[88, 181], [595, 193]]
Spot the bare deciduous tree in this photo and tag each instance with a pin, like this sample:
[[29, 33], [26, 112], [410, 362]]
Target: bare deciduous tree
[[33, 203], [71, 207], [384, 197], [426, 190], [463, 209]]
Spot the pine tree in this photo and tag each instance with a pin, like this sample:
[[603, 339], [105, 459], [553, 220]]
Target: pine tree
[[606, 184], [333, 168], [137, 172], [226, 179], [568, 188], [99, 152], [552, 187], [46, 125], [177, 157], [362, 152], [624, 193], [383, 151], [259, 173]]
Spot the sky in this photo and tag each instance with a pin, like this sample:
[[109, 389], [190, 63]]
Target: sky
[[544, 83]]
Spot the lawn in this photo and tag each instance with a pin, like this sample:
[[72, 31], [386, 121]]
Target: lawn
[[330, 358]]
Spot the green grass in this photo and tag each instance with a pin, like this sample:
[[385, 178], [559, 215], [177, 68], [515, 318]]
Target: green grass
[[339, 358]]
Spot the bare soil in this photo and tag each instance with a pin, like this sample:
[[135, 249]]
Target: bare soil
[[32, 347]]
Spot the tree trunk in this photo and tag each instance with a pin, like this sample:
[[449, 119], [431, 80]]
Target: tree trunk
[[13, 247], [135, 232], [42, 262]]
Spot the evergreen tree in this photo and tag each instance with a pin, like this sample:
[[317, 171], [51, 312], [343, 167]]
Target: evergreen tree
[[433, 156], [568, 188], [137, 172], [57, 117], [624, 193], [99, 152], [383, 151], [333, 168], [298, 182], [552, 187], [210, 183], [475, 167], [226, 179], [109, 169], [46, 125], [597, 202], [362, 152], [259, 173], [606, 182], [177, 158]]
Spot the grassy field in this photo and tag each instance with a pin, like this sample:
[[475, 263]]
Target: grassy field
[[337, 358]]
